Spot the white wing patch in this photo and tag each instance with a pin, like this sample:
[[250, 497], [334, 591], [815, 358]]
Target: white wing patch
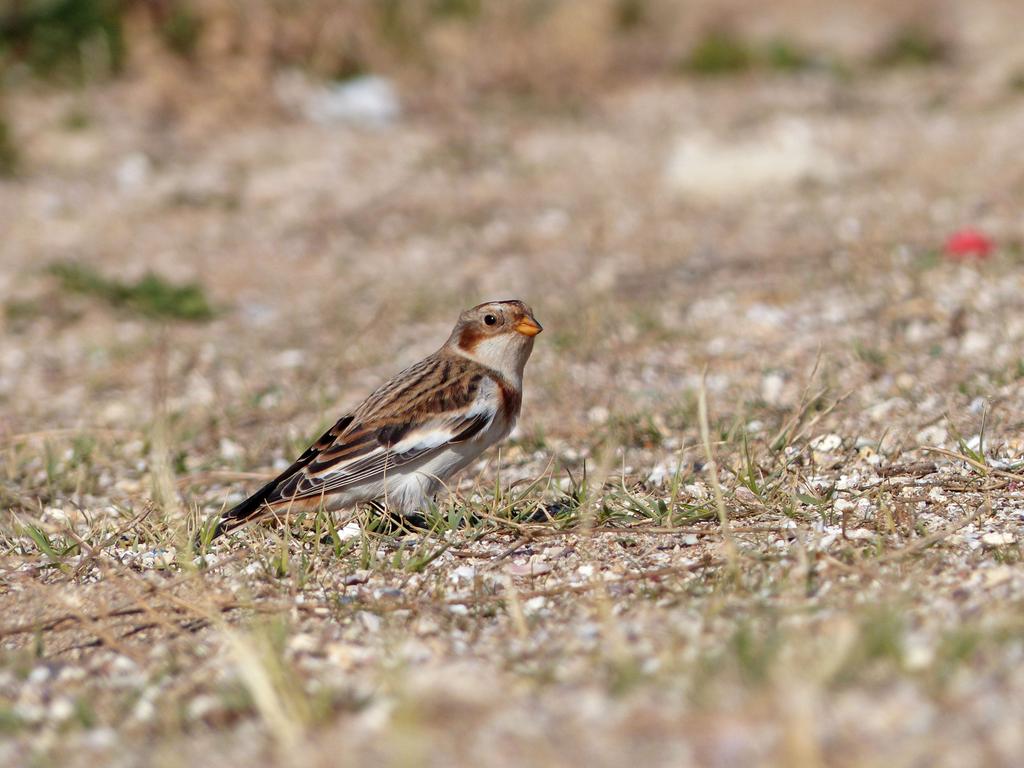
[[419, 445]]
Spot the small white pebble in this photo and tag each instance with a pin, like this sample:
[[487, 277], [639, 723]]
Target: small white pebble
[[696, 490], [351, 531], [158, 557], [860, 534], [665, 471], [122, 665], [993, 539], [535, 604], [56, 514], [100, 738], [532, 567], [67, 674], [303, 642], [847, 482], [918, 656], [61, 709], [771, 388], [229, 449], [843, 505], [935, 435], [827, 443], [426, 626], [201, 706], [370, 621], [30, 712], [746, 496], [144, 711]]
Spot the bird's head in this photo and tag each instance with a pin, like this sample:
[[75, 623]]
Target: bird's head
[[498, 334]]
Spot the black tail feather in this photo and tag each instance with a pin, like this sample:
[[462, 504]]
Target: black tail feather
[[243, 512]]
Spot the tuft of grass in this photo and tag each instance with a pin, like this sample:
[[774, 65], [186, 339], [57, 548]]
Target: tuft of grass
[[8, 152], [880, 641], [1016, 81], [10, 722], [350, 65], [396, 27], [872, 356], [466, 10], [271, 682], [785, 56], [720, 53], [55, 549], [67, 38], [639, 429], [723, 53], [152, 295], [630, 14], [181, 30], [76, 119], [20, 313], [913, 46], [755, 651]]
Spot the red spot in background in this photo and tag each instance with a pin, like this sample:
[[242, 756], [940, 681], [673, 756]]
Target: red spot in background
[[967, 244]]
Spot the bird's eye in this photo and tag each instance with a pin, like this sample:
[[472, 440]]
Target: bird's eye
[[490, 320]]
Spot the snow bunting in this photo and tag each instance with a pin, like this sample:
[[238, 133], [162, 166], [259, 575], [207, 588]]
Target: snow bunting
[[413, 433]]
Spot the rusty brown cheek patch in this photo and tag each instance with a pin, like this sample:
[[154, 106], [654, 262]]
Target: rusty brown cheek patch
[[470, 337]]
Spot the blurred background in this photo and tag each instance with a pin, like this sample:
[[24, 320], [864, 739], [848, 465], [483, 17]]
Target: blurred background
[[272, 205], [302, 166], [302, 190]]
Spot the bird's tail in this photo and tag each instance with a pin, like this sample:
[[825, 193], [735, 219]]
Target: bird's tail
[[243, 513]]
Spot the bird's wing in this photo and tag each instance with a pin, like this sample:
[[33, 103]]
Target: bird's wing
[[437, 403], [371, 452]]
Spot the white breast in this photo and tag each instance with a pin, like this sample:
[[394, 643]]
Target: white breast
[[409, 489]]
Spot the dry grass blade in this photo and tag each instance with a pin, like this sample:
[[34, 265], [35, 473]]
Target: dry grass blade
[[935, 538], [729, 544], [981, 467], [285, 715], [152, 593]]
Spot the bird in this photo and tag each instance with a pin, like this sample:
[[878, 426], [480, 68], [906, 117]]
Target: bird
[[414, 432]]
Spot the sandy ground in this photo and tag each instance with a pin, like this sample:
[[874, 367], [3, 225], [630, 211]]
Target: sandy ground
[[773, 241]]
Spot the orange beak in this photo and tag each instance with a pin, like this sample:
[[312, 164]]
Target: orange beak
[[528, 327]]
